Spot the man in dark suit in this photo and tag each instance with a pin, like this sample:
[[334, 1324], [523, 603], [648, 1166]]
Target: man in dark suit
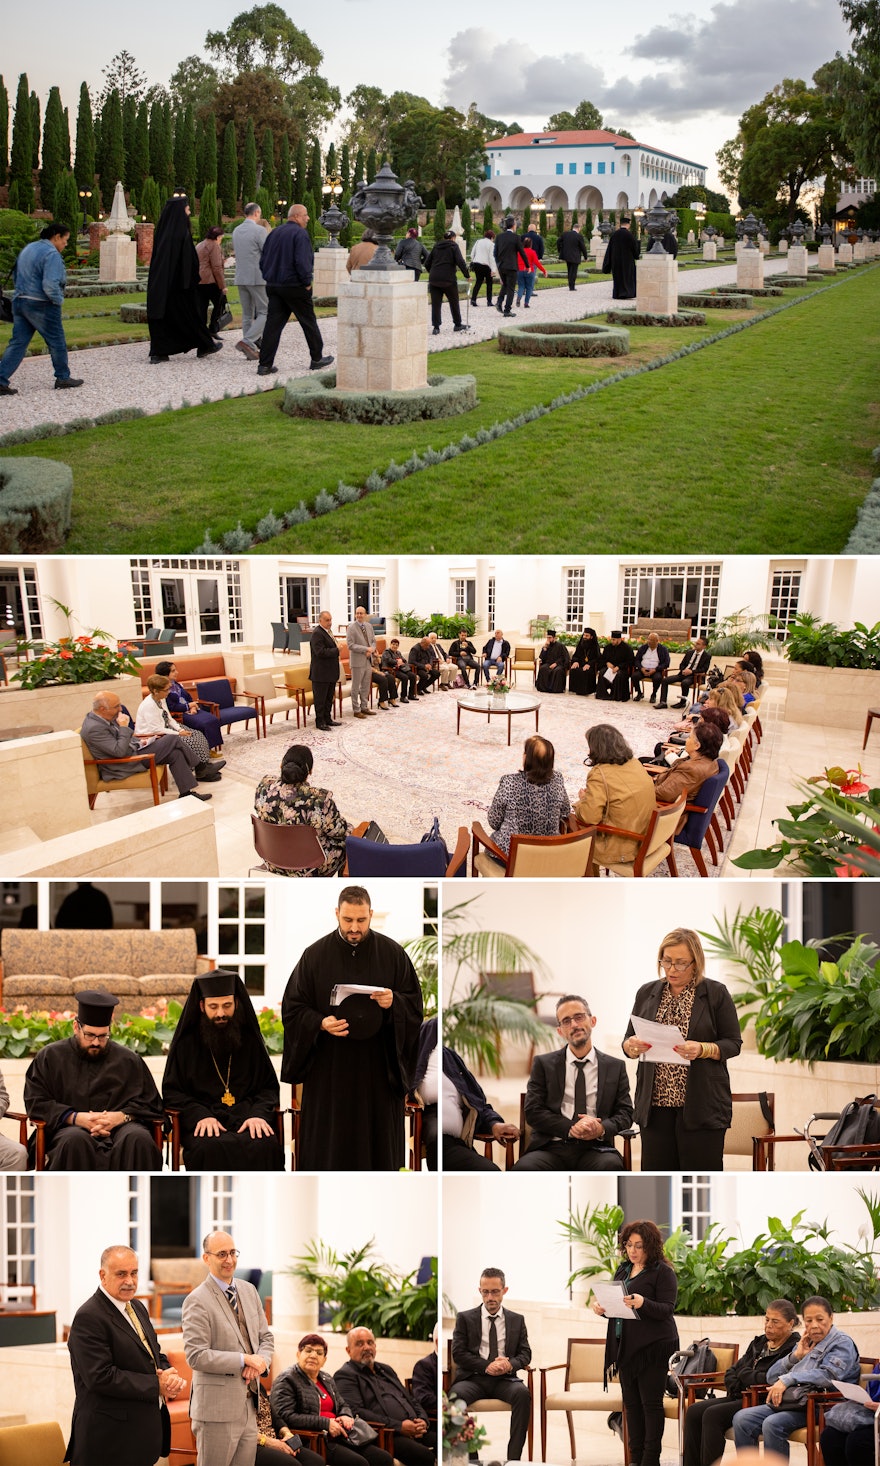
[[122, 1379], [572, 248], [324, 672], [108, 732], [489, 1346], [376, 1393], [577, 1100], [694, 664]]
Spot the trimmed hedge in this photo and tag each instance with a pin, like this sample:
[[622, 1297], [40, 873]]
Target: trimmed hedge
[[563, 338], [651, 318], [133, 315], [316, 397], [716, 302], [35, 500]]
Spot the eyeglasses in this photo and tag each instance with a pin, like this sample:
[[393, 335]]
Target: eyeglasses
[[232, 1254], [575, 1018], [675, 966]]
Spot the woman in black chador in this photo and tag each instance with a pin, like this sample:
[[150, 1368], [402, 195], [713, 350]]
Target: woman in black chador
[[174, 314]]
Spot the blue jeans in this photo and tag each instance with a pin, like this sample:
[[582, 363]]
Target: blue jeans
[[775, 1426], [525, 284], [43, 317]]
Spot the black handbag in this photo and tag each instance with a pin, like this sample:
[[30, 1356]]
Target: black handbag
[[361, 1433], [857, 1124], [794, 1398], [225, 317]]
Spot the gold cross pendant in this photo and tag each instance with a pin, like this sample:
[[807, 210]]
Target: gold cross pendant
[[227, 1098]]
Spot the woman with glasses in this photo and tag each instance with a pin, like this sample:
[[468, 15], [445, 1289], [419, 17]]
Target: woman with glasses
[[305, 1397], [684, 1109]]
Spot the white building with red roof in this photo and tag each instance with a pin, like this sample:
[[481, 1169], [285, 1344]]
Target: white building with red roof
[[582, 170]]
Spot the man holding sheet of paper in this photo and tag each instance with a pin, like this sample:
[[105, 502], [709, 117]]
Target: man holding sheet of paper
[[687, 1033], [577, 1099], [352, 1012]]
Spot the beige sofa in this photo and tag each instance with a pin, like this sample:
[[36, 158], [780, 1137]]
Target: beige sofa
[[46, 970]]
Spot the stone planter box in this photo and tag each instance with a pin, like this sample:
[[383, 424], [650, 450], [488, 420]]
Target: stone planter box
[[65, 705], [830, 697]]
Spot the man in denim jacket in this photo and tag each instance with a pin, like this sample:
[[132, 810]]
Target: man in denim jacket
[[39, 276]]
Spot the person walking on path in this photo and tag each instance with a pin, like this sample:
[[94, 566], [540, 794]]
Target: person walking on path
[[288, 264], [212, 280], [443, 261], [620, 260], [525, 279], [510, 256], [411, 253], [175, 314], [248, 239], [483, 262], [572, 249], [39, 277]]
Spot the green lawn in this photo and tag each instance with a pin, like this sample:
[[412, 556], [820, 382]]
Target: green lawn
[[758, 443]]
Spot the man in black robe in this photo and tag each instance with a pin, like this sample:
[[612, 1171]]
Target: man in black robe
[[620, 260], [584, 664], [618, 654], [376, 1393], [97, 1098], [220, 1078], [553, 670], [354, 1059]]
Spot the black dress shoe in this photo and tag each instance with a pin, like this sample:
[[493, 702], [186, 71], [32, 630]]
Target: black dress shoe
[[157, 360], [210, 350], [334, 724], [7, 391], [68, 382], [194, 794], [266, 371]]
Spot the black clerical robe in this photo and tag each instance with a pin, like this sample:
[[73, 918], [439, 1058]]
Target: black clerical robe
[[61, 1079], [582, 678], [622, 657], [193, 1086], [620, 261], [553, 668], [353, 1088]]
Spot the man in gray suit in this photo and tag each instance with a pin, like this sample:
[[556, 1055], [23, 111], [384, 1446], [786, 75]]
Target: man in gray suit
[[247, 243], [108, 732], [361, 640], [228, 1347]]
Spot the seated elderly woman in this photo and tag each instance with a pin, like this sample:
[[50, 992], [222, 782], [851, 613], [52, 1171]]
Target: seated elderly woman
[[532, 801], [154, 720], [618, 792], [182, 702], [687, 775], [674, 745], [707, 1420], [305, 1397], [823, 1355], [743, 681], [288, 800]]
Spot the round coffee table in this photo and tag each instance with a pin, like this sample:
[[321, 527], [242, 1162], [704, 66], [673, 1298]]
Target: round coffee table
[[509, 704]]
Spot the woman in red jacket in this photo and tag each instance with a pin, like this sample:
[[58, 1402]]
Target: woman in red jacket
[[525, 279]]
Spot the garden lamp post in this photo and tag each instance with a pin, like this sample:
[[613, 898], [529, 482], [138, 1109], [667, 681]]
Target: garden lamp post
[[85, 194], [333, 219]]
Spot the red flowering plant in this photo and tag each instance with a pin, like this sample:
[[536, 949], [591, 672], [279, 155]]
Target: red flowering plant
[[23, 1033], [76, 659], [834, 832]]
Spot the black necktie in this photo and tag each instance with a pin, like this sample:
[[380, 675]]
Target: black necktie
[[233, 1298], [580, 1089], [166, 719], [493, 1341]]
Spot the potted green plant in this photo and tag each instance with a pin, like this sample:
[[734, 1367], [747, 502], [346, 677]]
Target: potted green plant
[[832, 832], [352, 1290], [737, 633], [834, 674]]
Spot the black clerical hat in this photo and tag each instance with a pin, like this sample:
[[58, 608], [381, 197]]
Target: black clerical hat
[[217, 984], [616, 633], [363, 1015], [95, 1007]]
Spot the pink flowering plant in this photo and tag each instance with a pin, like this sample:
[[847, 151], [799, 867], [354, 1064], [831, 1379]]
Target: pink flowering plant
[[834, 832], [23, 1033], [460, 1429]]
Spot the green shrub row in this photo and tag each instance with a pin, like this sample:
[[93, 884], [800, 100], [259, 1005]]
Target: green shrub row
[[35, 500], [563, 338], [315, 397], [76, 425], [652, 318]]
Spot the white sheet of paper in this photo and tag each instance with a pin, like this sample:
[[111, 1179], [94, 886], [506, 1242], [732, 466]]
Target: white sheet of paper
[[662, 1037], [610, 673], [610, 1296], [344, 990], [854, 1392]]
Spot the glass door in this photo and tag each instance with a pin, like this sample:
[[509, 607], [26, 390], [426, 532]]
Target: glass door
[[191, 605]]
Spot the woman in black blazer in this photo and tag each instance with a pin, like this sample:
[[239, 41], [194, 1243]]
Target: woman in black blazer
[[683, 1111], [707, 1420], [305, 1397], [637, 1350]]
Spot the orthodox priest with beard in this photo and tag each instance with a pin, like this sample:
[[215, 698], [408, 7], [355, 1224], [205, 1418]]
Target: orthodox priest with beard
[[354, 1058], [97, 1098], [220, 1078]]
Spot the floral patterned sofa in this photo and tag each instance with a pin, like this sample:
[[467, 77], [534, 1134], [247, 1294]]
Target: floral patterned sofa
[[46, 970]]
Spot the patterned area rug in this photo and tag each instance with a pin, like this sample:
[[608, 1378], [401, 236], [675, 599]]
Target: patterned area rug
[[403, 767]]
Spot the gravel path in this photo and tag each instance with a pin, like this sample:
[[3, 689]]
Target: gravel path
[[121, 376]]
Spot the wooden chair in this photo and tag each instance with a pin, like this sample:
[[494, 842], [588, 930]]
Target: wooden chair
[[487, 1406], [218, 697], [369, 858], [675, 1409], [290, 847], [299, 686], [41, 1444], [39, 1136], [872, 714], [865, 1157], [581, 1390], [267, 699], [525, 1135], [753, 1124], [654, 846], [413, 1106], [524, 661], [530, 856], [154, 777]]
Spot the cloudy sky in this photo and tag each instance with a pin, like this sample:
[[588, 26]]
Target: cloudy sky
[[678, 80]]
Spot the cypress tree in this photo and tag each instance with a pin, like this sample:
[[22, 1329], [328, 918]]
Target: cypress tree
[[302, 172], [65, 200], [209, 214], [331, 164], [35, 131], [345, 168], [588, 224], [4, 132], [315, 180], [200, 157], [440, 218], [526, 218], [139, 160], [187, 177], [20, 172], [345, 235], [129, 123], [54, 161], [177, 149], [151, 204], [487, 217], [65, 138], [13, 202], [360, 167], [284, 169], [560, 222], [371, 165], [112, 148], [267, 158], [249, 164], [227, 172], [266, 204], [162, 161], [309, 203], [156, 130], [209, 161], [542, 223], [574, 219], [466, 222]]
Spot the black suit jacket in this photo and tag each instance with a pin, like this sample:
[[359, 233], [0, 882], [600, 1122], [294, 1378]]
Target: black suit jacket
[[466, 1336], [117, 1420], [546, 1089], [505, 647], [359, 1385], [699, 667], [324, 665], [707, 1104]]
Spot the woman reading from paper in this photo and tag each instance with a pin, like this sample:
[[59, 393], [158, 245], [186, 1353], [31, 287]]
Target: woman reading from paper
[[684, 1109]]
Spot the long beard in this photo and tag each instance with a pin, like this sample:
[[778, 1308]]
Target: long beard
[[223, 1042], [93, 1056]]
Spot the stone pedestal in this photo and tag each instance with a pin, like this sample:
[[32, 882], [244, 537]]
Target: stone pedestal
[[860, 250], [118, 258], [143, 239], [657, 284], [97, 232], [691, 237], [845, 254], [720, 241], [797, 260], [330, 272], [764, 246], [382, 334], [783, 246], [827, 260], [749, 269], [710, 250], [597, 248]]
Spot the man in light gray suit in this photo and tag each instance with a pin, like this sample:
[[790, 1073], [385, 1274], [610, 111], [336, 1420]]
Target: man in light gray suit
[[228, 1347], [361, 640], [247, 243]]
